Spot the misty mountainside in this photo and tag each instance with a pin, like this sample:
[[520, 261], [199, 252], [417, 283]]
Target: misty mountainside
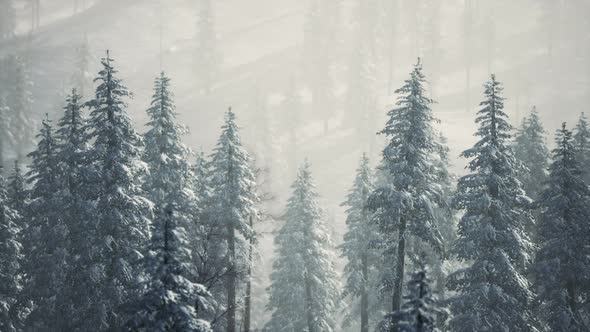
[[317, 165]]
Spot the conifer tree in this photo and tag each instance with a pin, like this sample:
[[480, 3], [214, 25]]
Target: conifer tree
[[404, 204], [445, 220], [44, 237], [493, 293], [530, 149], [561, 264], [169, 300], [206, 242], [77, 210], [421, 309], [10, 260], [359, 249], [120, 222], [582, 144], [169, 180], [304, 289], [234, 201]]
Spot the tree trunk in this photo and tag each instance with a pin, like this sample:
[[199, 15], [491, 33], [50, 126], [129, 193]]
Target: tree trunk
[[364, 295], [400, 270], [308, 304], [248, 298], [231, 281]]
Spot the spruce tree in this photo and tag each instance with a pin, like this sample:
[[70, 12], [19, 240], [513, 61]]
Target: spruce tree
[[234, 201], [169, 300], [404, 204], [445, 219], [582, 144], [75, 179], [304, 284], [44, 237], [10, 261], [421, 310], [168, 303], [359, 250], [120, 222], [206, 241], [561, 264], [169, 180], [531, 150], [493, 293]]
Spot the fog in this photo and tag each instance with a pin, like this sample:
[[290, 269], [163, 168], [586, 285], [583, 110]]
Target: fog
[[312, 78]]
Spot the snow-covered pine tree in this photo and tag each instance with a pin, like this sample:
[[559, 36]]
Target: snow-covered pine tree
[[582, 144], [206, 241], [404, 204], [360, 251], [170, 297], [304, 290], [20, 102], [207, 56], [445, 219], [530, 149], [44, 237], [7, 19], [561, 264], [421, 309], [120, 222], [169, 182], [493, 293], [10, 260], [77, 211], [234, 201], [168, 303]]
